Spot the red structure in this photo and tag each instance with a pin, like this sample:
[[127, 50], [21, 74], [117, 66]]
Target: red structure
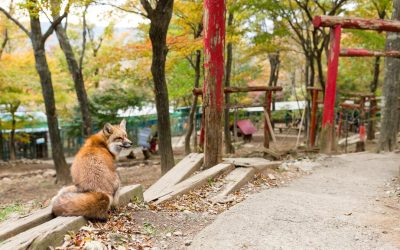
[[314, 107], [213, 95], [336, 24]]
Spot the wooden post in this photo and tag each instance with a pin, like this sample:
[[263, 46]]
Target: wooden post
[[214, 40], [328, 119], [314, 108], [235, 120], [268, 112]]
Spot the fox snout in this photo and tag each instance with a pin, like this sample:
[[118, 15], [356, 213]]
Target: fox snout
[[127, 144]]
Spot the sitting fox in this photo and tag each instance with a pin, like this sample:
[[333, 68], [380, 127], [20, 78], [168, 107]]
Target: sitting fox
[[94, 176]]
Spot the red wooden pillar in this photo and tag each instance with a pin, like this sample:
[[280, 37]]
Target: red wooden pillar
[[213, 95], [328, 119]]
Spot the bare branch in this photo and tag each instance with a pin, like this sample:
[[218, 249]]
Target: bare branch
[[84, 24], [137, 11], [15, 21], [53, 26]]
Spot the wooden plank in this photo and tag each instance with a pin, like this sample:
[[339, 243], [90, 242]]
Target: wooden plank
[[51, 233], [259, 164], [234, 180], [130, 193], [194, 182], [181, 171], [271, 130], [10, 228]]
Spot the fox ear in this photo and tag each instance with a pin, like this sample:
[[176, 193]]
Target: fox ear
[[107, 129], [123, 124]]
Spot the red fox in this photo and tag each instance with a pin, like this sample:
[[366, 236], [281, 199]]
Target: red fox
[[96, 182]]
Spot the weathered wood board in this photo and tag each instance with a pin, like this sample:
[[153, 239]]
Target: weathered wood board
[[233, 181], [51, 233], [194, 182], [257, 163], [10, 228], [181, 171]]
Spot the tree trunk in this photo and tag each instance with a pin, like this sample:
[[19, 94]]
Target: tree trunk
[[373, 87], [1, 142], [194, 104], [13, 109], [77, 77], [228, 69], [42, 67], [214, 40], [391, 89], [160, 19], [274, 63]]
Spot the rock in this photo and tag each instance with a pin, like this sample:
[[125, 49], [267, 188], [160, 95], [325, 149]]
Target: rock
[[188, 243], [6, 179], [94, 245], [178, 233], [271, 176], [168, 235], [49, 173]]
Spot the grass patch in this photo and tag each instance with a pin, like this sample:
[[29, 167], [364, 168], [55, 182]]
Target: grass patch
[[6, 211]]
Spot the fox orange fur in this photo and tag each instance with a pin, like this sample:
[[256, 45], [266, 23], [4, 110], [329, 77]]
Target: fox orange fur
[[96, 182]]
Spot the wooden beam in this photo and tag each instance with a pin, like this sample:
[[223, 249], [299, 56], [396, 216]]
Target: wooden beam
[[10, 228], [47, 231], [233, 181], [368, 53], [194, 182], [180, 172], [199, 91], [357, 23], [259, 164]]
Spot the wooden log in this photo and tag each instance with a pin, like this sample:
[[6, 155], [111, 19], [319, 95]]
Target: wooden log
[[193, 182], [51, 232], [199, 91], [10, 228], [356, 23], [181, 171], [234, 180], [271, 130]]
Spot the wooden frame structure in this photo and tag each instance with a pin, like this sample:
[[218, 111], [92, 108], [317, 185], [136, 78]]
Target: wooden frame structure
[[336, 24], [267, 105]]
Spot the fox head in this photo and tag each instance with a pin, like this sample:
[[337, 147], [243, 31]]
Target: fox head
[[116, 137]]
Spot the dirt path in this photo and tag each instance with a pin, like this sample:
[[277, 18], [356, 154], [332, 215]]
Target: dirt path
[[349, 203]]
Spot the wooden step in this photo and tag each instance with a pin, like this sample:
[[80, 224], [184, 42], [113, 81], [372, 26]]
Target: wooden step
[[52, 231], [234, 181], [194, 182], [181, 171], [259, 164]]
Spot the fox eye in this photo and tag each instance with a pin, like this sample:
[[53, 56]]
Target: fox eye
[[119, 138]]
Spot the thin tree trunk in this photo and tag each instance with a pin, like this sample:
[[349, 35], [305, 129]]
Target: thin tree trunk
[[391, 89], [228, 69], [160, 18], [76, 72], [193, 108], [274, 63], [13, 109], [373, 87], [42, 68], [4, 43]]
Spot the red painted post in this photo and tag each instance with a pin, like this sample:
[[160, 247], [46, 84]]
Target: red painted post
[[367, 53], [214, 41], [357, 23], [328, 119]]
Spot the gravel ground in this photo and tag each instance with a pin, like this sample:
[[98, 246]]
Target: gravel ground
[[351, 202]]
